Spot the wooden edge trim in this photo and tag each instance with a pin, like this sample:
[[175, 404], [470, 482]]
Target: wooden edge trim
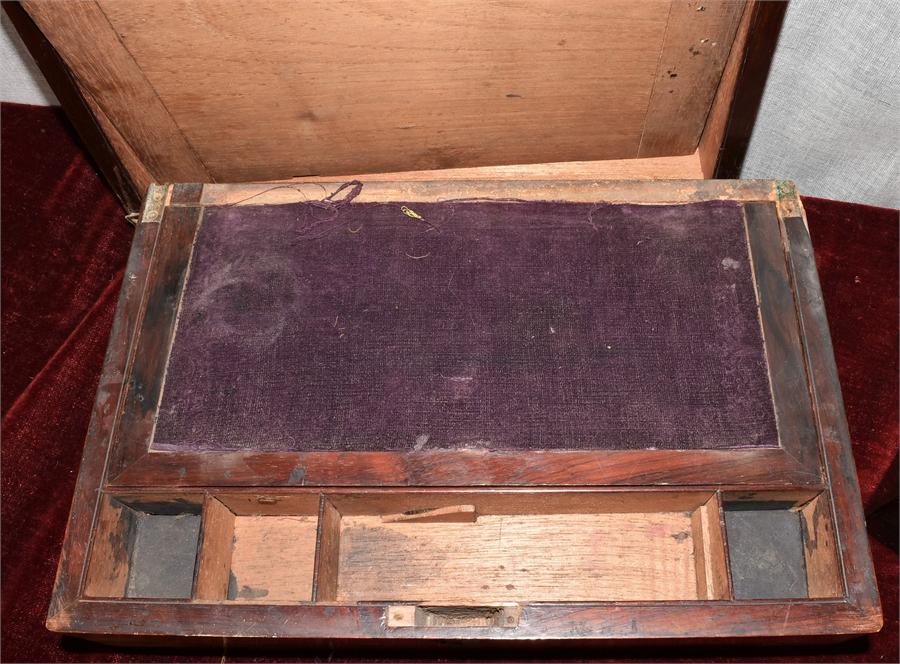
[[110, 392], [380, 188], [186, 194], [90, 46], [771, 466], [679, 167], [708, 149], [624, 621], [781, 337], [720, 507], [831, 422], [327, 560], [165, 286]]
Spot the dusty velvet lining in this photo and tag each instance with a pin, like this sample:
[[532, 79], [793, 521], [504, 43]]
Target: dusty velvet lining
[[497, 325]]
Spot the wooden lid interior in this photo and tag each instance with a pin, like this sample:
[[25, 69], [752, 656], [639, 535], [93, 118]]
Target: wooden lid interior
[[237, 92]]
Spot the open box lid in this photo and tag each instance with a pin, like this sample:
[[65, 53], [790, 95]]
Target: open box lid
[[208, 92]]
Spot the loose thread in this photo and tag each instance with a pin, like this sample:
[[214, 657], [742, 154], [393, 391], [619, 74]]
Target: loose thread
[[330, 203], [327, 203]]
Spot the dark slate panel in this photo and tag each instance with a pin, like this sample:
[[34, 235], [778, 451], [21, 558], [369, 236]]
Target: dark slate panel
[[766, 553], [163, 556]]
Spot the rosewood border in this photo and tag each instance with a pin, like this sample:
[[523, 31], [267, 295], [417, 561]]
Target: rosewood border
[[467, 468], [781, 333], [92, 473], [168, 276], [626, 621], [831, 422]]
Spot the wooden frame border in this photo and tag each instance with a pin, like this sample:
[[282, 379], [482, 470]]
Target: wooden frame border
[[831, 424], [104, 420], [623, 621], [796, 462]]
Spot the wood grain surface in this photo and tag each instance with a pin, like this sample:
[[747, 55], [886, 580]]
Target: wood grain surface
[[528, 558], [218, 91], [369, 87], [696, 46], [116, 85], [273, 558], [216, 544]]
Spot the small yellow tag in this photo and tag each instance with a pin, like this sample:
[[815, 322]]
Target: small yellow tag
[[411, 213]]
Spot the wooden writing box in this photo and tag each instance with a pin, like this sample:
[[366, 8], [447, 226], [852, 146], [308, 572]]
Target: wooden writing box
[[601, 410]]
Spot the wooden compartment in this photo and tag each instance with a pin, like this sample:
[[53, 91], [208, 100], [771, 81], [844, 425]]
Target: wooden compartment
[[258, 548], [145, 548], [782, 548], [505, 547]]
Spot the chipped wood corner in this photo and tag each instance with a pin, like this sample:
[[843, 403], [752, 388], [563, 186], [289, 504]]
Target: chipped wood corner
[[787, 200]]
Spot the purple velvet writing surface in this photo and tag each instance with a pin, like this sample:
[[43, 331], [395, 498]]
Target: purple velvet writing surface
[[497, 325]]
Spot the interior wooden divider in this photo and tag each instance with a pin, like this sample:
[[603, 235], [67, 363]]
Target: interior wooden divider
[[823, 567], [217, 541], [328, 552], [258, 548], [710, 557]]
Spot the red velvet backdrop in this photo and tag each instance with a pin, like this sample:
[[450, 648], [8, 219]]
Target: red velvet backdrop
[[64, 245]]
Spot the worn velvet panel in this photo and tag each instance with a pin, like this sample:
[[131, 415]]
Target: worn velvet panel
[[497, 325]]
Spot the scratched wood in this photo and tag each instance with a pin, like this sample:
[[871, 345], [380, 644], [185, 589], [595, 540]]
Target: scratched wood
[[820, 549]]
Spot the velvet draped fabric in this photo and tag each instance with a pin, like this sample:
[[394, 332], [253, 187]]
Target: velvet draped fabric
[[64, 244]]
